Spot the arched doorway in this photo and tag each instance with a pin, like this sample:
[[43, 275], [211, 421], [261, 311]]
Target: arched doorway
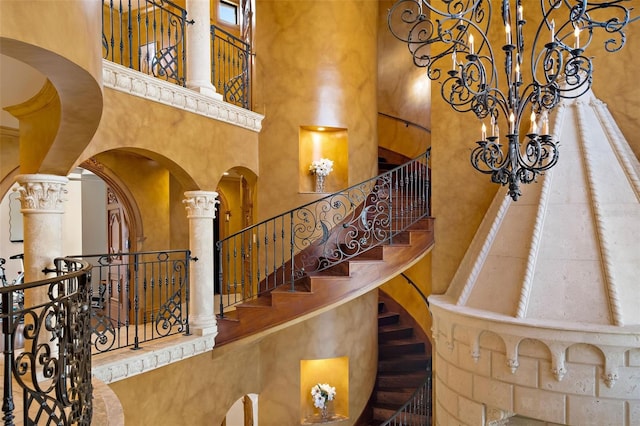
[[244, 412]]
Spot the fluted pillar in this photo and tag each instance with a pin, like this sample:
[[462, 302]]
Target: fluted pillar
[[201, 210], [199, 49]]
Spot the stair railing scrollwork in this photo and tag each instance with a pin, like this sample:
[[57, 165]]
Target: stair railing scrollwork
[[322, 234], [47, 350]]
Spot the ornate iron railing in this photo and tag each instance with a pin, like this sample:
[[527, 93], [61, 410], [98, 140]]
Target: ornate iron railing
[[231, 60], [146, 35], [322, 234], [47, 351], [417, 410], [138, 297]]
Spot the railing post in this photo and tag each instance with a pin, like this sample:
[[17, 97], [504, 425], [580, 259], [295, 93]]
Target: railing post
[[136, 301], [7, 320], [219, 278], [291, 252]]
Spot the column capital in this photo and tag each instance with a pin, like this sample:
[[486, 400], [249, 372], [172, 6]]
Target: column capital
[[201, 204], [40, 193]]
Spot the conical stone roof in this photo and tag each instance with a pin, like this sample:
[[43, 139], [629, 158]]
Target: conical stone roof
[[569, 249]]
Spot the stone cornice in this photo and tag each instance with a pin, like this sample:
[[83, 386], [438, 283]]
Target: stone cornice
[[144, 86], [119, 365], [453, 323]]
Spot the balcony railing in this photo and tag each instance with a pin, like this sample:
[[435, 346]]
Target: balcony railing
[[146, 35], [231, 58], [47, 350], [149, 36], [322, 234], [138, 297]]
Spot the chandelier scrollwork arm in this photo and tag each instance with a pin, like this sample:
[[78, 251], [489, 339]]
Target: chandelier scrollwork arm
[[450, 39]]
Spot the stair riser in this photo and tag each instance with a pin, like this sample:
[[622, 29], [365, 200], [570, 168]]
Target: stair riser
[[395, 398], [388, 320], [385, 336], [395, 350], [399, 366], [399, 381]]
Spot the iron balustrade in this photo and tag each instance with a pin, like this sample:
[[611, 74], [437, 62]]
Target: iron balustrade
[[149, 36], [286, 249], [417, 410], [47, 350], [146, 35], [230, 71], [138, 297]]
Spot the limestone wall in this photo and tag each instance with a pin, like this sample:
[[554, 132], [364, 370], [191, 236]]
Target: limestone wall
[[488, 369]]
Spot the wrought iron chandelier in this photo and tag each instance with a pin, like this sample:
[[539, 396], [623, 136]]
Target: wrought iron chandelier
[[450, 38]]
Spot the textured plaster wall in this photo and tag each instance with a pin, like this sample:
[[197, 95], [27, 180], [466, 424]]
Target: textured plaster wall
[[148, 183], [404, 91], [315, 65], [200, 390], [190, 146], [615, 80], [72, 64]]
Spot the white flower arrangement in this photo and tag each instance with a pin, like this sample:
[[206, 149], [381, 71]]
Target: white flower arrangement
[[321, 167], [321, 393]]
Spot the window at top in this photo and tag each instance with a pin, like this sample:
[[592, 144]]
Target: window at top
[[228, 12]]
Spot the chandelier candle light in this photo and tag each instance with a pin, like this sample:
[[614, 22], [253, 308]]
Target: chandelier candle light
[[322, 393], [321, 168], [440, 33]]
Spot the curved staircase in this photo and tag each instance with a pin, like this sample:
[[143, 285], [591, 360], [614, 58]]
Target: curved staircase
[[404, 362], [332, 286], [324, 253]]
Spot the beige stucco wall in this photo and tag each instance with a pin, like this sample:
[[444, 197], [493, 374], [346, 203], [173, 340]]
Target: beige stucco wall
[[615, 84], [200, 390], [73, 65], [315, 65], [404, 91], [193, 148]]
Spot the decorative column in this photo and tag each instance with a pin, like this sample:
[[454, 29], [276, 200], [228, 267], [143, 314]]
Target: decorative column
[[41, 198], [199, 49], [201, 210]]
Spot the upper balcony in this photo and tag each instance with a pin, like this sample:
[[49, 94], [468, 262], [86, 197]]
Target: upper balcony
[[151, 36]]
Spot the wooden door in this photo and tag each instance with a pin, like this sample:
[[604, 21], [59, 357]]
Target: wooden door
[[118, 246]]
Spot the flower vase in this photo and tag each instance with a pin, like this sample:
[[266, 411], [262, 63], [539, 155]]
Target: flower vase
[[319, 183], [324, 413]]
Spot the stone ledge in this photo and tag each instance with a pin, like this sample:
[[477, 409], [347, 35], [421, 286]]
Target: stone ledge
[[124, 363], [135, 83]]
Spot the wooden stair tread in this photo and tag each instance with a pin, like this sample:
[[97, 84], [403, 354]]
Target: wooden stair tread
[[258, 302], [403, 365]]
